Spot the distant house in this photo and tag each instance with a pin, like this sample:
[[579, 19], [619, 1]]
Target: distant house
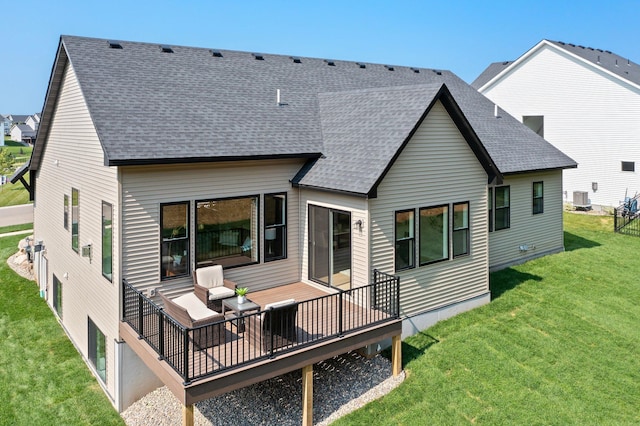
[[33, 121], [586, 102], [18, 118], [23, 133], [382, 194]]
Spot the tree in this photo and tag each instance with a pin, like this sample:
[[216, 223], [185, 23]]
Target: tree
[[6, 162]]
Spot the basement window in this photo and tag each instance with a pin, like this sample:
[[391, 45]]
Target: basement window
[[628, 166]]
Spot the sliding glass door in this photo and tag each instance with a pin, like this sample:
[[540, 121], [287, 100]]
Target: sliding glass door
[[330, 247]]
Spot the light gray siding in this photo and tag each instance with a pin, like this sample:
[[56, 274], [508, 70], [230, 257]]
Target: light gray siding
[[530, 235], [436, 167], [86, 293], [589, 114], [145, 188]]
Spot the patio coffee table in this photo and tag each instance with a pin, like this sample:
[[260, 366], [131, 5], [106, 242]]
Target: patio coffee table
[[238, 309]]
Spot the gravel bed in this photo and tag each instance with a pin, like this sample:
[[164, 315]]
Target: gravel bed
[[340, 386]]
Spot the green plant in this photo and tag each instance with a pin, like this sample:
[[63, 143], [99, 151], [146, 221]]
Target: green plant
[[242, 291]]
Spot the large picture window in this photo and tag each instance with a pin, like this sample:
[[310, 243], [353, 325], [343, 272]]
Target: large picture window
[[538, 198], [275, 226], [75, 219], [434, 234], [227, 231], [98, 350], [502, 208], [107, 240], [460, 229], [405, 240], [175, 239]]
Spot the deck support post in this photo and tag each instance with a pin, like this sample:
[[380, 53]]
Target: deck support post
[[396, 355], [307, 395], [187, 415]]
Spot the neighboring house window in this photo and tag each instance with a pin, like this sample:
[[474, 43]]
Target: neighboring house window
[[227, 231], [66, 211], [535, 123], [405, 239], [57, 295], [107, 240], [460, 229], [490, 212], [434, 234], [628, 166], [538, 197], [174, 232], [75, 219], [98, 350], [502, 208], [275, 226]]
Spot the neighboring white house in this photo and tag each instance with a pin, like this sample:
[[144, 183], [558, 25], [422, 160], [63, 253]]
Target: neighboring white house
[[23, 133], [33, 121], [586, 102], [326, 173]]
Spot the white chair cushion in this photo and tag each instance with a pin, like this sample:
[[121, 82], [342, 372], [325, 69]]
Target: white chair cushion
[[220, 293], [196, 309], [210, 276]]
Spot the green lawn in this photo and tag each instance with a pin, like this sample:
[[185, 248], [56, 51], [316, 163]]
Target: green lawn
[[559, 344], [43, 380], [15, 194]]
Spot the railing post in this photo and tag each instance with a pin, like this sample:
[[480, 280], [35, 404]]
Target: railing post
[[270, 313], [340, 319], [140, 316], [185, 364], [397, 296], [161, 335]]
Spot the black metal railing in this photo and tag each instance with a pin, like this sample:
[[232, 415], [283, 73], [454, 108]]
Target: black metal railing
[[195, 353], [626, 217]]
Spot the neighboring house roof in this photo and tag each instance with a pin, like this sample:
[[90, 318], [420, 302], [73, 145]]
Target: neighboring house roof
[[18, 118], [599, 58], [25, 129], [223, 107]]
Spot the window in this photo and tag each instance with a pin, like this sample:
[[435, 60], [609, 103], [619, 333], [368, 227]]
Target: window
[[75, 219], [628, 166], [57, 295], [405, 240], [434, 234], [460, 229], [538, 198], [107, 240], [502, 209], [174, 249], [535, 123], [275, 226], [98, 350], [490, 212], [66, 211], [227, 231]]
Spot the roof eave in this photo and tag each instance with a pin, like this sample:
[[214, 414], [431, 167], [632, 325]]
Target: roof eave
[[182, 160]]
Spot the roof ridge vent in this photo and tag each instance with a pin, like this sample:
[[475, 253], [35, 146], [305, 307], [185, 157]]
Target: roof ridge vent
[[216, 53], [166, 48], [296, 60], [608, 51], [389, 67], [258, 56], [572, 45], [330, 63], [437, 72], [600, 50], [114, 44], [581, 47], [562, 43], [505, 63], [416, 70], [361, 65]]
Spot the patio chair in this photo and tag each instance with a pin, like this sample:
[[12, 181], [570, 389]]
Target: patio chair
[[211, 287], [191, 313], [275, 327]]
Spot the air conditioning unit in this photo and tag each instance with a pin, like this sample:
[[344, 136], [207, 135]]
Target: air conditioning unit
[[580, 198]]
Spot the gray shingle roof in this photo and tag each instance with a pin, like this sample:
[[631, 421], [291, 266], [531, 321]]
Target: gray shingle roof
[[490, 72], [189, 105]]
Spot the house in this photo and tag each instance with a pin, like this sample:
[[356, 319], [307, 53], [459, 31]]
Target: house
[[586, 102], [378, 197], [33, 121], [23, 133]]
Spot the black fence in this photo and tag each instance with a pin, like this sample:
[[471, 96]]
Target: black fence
[[626, 222], [195, 353]]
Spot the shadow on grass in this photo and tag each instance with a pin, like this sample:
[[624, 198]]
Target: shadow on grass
[[508, 279], [574, 242], [420, 343]]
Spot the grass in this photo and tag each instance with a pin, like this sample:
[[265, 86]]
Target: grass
[[43, 379], [558, 344], [13, 228], [13, 194]]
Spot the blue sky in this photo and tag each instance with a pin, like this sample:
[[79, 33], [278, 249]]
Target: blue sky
[[461, 36]]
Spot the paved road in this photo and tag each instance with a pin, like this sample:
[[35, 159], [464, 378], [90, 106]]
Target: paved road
[[16, 215]]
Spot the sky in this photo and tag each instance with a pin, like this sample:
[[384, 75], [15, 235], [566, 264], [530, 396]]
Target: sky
[[461, 36]]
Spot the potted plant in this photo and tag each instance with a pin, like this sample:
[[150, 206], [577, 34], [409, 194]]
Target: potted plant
[[241, 292]]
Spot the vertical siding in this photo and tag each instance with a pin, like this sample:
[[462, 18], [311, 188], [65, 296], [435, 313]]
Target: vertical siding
[[589, 115], [541, 233], [360, 268], [436, 167], [145, 188], [73, 158]]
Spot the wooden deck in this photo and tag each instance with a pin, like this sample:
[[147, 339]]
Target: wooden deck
[[242, 360]]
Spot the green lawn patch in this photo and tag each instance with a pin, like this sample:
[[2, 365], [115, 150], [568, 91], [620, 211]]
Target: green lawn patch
[[13, 228], [43, 379], [557, 345], [13, 194]]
